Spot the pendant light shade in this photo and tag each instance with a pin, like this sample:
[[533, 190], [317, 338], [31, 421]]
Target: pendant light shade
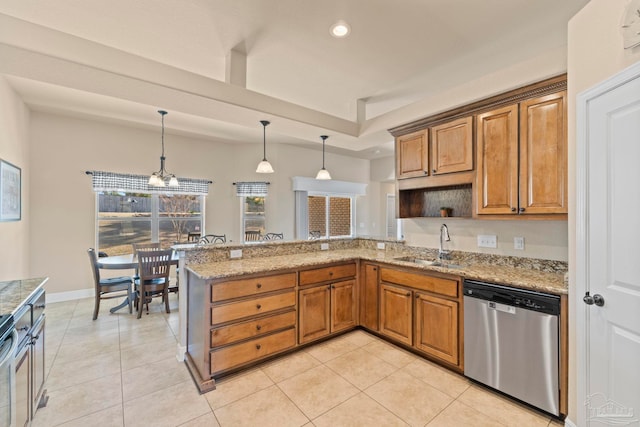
[[157, 179], [264, 166], [323, 173]]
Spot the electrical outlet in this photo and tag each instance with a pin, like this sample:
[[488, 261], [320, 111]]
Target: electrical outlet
[[380, 245], [518, 243], [235, 253], [487, 241], [324, 246]]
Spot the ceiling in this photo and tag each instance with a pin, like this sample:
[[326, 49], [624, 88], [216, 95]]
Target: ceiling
[[297, 75]]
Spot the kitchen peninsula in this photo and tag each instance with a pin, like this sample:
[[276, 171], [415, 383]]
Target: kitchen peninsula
[[281, 296]]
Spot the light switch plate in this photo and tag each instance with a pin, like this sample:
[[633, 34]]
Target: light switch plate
[[235, 253], [487, 241], [380, 245], [324, 246], [518, 243]]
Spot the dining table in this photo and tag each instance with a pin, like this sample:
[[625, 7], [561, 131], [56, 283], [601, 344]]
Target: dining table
[[126, 262]]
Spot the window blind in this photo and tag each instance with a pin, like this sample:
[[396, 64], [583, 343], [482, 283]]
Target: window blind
[[111, 181]]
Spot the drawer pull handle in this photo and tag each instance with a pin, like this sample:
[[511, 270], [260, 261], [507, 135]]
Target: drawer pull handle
[[259, 285], [331, 273], [24, 328], [39, 306], [258, 346], [258, 327], [258, 306]]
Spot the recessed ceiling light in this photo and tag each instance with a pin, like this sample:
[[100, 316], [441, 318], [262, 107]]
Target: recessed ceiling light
[[340, 29]]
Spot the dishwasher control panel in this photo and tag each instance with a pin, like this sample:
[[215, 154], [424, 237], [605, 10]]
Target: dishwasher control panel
[[514, 297]]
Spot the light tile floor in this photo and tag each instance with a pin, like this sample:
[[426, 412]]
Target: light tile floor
[[121, 371]]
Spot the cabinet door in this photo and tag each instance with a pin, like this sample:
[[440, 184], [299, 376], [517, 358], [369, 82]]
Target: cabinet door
[[437, 327], [412, 155], [497, 161], [369, 297], [395, 313], [543, 155], [452, 146], [314, 311], [343, 305]]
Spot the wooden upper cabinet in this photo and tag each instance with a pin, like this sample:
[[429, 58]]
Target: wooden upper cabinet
[[452, 146], [497, 161], [412, 155], [543, 155]]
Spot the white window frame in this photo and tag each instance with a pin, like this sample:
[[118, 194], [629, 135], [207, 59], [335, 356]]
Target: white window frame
[[243, 217]]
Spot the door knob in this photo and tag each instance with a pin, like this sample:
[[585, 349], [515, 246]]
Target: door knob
[[597, 299]]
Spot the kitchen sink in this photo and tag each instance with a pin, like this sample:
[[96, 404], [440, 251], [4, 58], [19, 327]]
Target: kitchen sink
[[428, 262]]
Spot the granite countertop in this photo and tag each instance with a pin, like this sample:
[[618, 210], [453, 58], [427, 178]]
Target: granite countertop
[[14, 293], [512, 276]]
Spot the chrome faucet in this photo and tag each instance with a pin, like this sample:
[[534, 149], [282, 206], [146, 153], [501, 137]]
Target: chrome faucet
[[444, 237]]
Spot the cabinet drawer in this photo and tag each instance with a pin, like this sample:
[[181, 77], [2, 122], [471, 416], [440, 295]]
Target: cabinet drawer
[[324, 274], [238, 310], [256, 285], [252, 328], [239, 354], [448, 287]]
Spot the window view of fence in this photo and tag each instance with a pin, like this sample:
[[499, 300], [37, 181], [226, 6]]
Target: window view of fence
[[332, 213], [253, 218], [125, 218]]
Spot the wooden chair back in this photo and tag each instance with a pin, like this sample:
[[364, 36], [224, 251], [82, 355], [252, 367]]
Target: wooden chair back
[[145, 247], [154, 264], [252, 236], [93, 258]]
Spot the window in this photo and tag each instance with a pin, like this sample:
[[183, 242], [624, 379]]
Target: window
[[127, 217], [330, 216], [253, 218]]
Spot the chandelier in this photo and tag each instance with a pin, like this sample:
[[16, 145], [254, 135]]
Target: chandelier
[[157, 179]]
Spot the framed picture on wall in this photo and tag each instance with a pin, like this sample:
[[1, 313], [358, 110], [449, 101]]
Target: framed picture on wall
[[10, 192]]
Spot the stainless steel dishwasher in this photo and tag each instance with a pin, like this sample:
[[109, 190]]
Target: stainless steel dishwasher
[[511, 342]]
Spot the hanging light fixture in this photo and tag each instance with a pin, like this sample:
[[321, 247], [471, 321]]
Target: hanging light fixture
[[157, 179], [323, 173], [264, 166]]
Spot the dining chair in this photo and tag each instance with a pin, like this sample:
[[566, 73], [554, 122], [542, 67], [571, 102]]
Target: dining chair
[[314, 234], [193, 236], [274, 236], [252, 236], [153, 269], [213, 238], [113, 287]]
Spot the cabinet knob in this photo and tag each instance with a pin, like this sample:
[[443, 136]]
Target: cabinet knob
[[408, 294], [258, 327], [333, 286], [258, 306], [375, 269], [417, 296], [24, 328], [521, 209], [258, 346], [513, 209], [434, 171], [426, 172], [258, 285], [331, 273]]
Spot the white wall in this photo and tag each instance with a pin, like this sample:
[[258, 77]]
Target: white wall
[[14, 148], [595, 53], [63, 203], [543, 239]]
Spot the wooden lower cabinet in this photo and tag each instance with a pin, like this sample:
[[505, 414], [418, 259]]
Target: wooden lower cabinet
[[396, 313], [248, 351], [369, 300], [326, 309], [314, 313], [436, 327]]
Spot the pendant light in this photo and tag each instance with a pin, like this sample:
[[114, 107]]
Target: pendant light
[[323, 173], [157, 179], [264, 166]]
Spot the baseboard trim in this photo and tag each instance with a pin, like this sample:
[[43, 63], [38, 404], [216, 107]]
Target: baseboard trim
[[569, 423], [70, 295]]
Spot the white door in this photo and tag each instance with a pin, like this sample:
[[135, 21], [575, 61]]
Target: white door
[[608, 252]]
